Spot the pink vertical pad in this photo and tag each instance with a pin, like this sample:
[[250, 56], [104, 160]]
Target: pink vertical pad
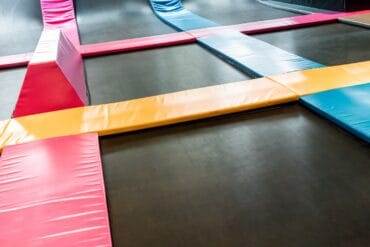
[[52, 194], [60, 14], [55, 77]]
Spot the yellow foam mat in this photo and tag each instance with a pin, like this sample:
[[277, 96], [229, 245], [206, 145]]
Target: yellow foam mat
[[323, 79], [147, 112]]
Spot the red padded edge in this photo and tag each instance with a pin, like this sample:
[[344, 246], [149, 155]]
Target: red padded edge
[[52, 194], [136, 44], [54, 79]]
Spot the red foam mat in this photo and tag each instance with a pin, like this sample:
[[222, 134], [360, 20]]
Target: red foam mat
[[52, 194], [55, 78]]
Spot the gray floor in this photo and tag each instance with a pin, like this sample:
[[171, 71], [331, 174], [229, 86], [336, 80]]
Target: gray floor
[[279, 177], [10, 83], [20, 26], [275, 177], [158, 71], [226, 12], [107, 20], [331, 44]]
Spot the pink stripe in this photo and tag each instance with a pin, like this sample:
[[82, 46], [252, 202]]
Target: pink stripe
[[52, 194], [136, 44], [15, 60], [59, 14]]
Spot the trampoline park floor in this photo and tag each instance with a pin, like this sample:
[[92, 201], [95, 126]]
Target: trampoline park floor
[[281, 176]]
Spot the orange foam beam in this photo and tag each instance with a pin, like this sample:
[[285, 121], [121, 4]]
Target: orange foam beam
[[147, 112]]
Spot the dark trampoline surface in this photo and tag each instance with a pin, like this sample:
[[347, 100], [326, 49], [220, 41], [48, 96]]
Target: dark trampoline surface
[[10, 83], [226, 12], [274, 177], [107, 20], [277, 177], [20, 26], [332, 44], [157, 71]]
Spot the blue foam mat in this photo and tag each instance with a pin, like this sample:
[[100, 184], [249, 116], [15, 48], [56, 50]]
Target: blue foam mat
[[250, 55], [348, 107], [253, 56], [173, 13]]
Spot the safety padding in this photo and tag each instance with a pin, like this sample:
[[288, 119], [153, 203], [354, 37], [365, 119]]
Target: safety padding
[[52, 194], [136, 44], [348, 107], [55, 77], [362, 20], [173, 13], [12, 61], [148, 112], [255, 57], [60, 14], [317, 80]]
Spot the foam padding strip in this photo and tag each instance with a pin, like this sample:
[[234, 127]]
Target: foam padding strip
[[362, 20], [317, 80], [141, 43], [255, 57], [348, 107], [60, 14], [173, 13], [136, 44], [13, 61], [52, 194], [147, 112], [55, 77]]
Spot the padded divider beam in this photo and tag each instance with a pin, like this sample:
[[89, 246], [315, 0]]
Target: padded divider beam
[[173, 13], [147, 112], [149, 42], [362, 20], [13, 61], [55, 77], [317, 80], [136, 44], [348, 107], [255, 57], [60, 14], [52, 194]]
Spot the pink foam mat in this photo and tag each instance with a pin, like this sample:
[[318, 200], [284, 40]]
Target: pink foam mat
[[60, 14], [136, 44], [189, 37], [52, 194]]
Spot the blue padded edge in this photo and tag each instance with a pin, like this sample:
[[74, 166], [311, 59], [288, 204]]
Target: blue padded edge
[[255, 57], [173, 13], [348, 107], [250, 55]]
